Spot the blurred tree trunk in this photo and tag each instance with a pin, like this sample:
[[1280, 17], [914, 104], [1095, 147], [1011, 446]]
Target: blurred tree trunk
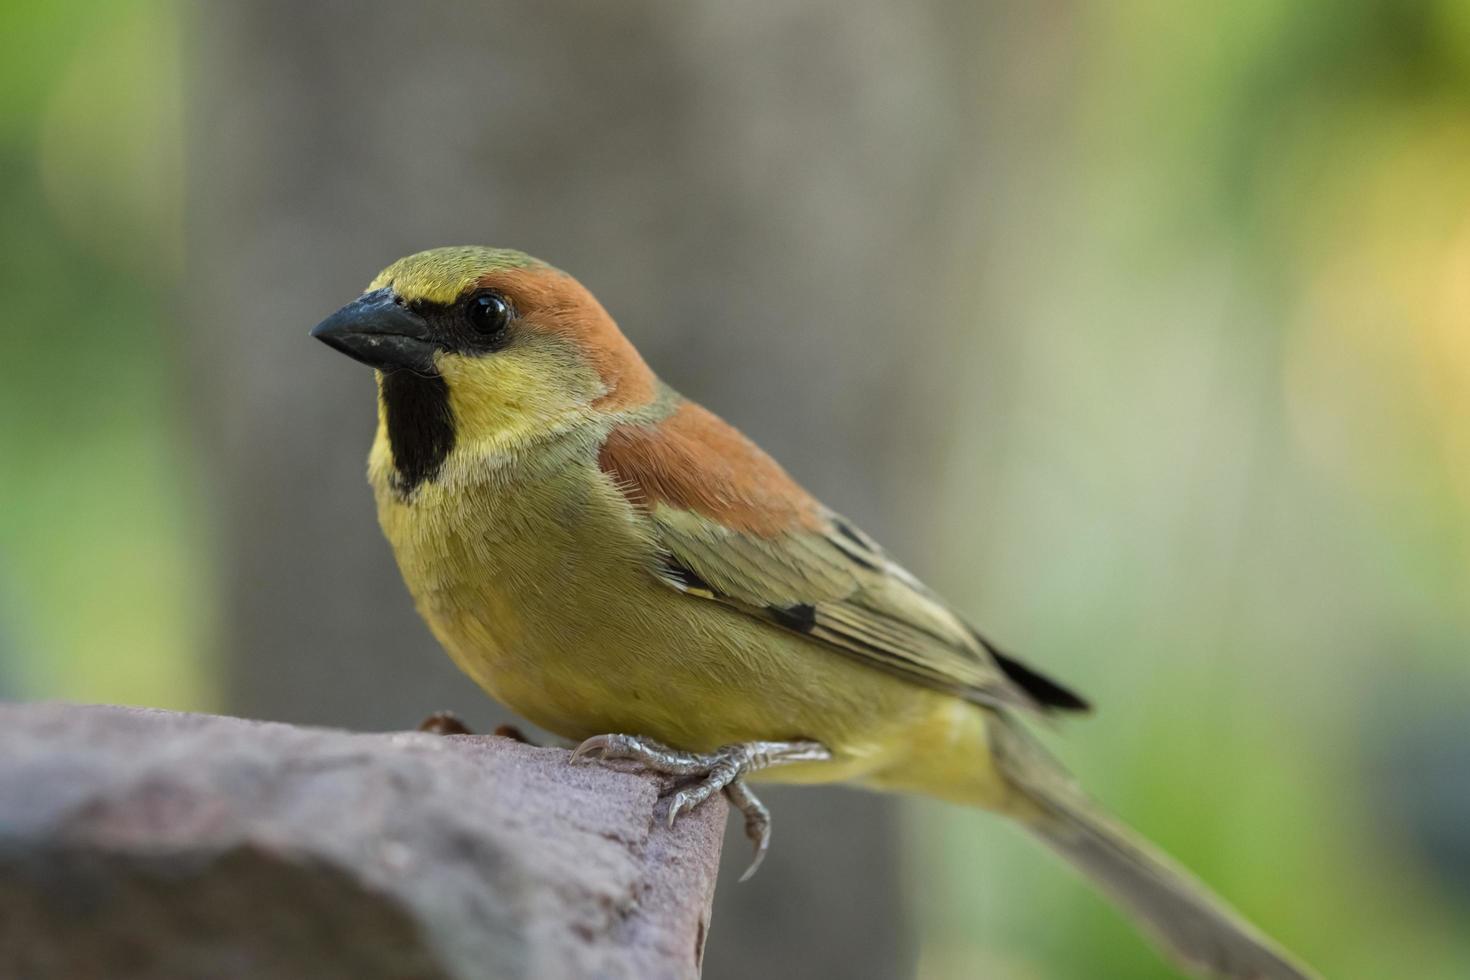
[[758, 194]]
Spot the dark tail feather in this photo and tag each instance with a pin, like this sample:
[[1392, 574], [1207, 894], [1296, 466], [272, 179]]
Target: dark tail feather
[[1204, 935]]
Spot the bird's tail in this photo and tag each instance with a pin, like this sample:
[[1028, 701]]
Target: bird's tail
[[1202, 933]]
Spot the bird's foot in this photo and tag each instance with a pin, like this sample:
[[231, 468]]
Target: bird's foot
[[708, 773], [444, 723], [449, 723], [514, 734]]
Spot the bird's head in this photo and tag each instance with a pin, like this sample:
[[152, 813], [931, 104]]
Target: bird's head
[[496, 344]]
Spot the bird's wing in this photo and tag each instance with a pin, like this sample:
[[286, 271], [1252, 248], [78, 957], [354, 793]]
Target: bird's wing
[[733, 527]]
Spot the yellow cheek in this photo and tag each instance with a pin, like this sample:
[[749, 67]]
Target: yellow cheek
[[502, 400]]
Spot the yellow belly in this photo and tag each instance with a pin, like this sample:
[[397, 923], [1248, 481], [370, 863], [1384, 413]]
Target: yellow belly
[[541, 590]]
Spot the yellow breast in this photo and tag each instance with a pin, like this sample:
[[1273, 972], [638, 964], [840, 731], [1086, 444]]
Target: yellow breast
[[537, 579]]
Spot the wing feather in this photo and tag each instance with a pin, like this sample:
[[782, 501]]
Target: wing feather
[[734, 528], [806, 583]]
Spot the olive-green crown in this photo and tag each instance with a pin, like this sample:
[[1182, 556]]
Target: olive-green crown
[[442, 275]]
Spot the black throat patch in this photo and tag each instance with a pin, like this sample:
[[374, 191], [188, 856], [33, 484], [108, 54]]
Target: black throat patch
[[420, 427]]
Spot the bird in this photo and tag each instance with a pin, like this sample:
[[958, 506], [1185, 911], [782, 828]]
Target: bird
[[625, 569]]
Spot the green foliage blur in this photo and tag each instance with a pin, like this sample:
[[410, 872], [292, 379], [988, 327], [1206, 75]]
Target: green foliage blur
[[1228, 495], [104, 589], [1235, 500]]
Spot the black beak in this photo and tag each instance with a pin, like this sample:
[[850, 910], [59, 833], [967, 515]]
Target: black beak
[[379, 331]]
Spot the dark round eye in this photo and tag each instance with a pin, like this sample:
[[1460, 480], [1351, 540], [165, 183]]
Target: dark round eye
[[488, 313]]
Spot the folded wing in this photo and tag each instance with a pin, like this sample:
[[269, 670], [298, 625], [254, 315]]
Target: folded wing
[[734, 528]]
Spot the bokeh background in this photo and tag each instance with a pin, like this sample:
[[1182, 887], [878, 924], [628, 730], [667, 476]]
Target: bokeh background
[[1140, 329]]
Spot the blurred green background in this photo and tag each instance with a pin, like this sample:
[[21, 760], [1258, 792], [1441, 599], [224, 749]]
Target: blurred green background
[[1149, 328]]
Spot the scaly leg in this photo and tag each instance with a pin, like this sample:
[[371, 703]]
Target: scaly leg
[[723, 769]]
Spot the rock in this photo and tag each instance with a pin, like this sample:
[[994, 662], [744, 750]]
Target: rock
[[146, 844]]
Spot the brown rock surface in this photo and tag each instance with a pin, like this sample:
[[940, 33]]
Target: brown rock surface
[[138, 843]]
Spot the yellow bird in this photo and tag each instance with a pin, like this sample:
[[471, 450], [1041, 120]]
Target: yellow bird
[[622, 567]]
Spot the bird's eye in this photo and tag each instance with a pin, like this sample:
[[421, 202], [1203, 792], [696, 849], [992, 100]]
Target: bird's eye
[[488, 313]]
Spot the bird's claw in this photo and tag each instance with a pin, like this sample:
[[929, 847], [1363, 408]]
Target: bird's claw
[[719, 777], [757, 822], [719, 771], [597, 743]]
